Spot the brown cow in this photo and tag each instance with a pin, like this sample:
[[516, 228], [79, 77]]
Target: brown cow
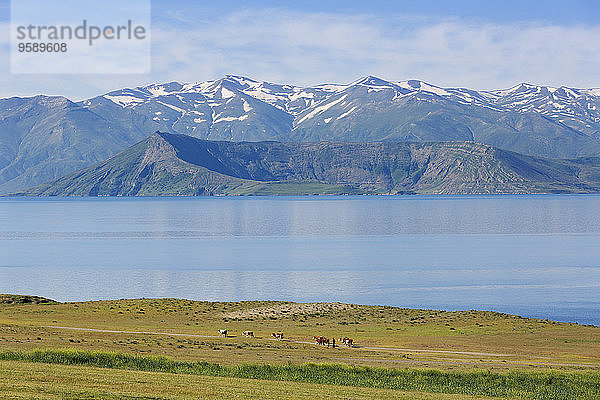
[[248, 333], [277, 335], [322, 340]]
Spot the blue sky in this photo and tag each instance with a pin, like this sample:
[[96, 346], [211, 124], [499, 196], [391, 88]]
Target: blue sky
[[572, 11], [477, 44]]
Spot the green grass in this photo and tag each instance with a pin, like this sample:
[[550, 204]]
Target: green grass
[[294, 189], [520, 342], [138, 365], [37, 381], [551, 385]]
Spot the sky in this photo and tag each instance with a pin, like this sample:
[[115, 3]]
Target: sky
[[462, 43]]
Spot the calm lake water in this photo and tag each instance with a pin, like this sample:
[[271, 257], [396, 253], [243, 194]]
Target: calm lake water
[[529, 255]]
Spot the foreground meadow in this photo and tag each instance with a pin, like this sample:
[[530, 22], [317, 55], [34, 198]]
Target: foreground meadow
[[20, 381], [477, 353]]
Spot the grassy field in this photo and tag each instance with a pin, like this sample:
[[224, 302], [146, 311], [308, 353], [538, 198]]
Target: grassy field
[[451, 342], [20, 381], [546, 385], [294, 189]]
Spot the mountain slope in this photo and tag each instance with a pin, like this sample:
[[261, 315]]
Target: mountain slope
[[42, 138], [156, 167], [373, 110], [166, 164], [536, 120]]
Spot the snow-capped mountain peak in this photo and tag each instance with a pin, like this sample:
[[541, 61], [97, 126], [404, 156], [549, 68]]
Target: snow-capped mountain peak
[[205, 106], [417, 85]]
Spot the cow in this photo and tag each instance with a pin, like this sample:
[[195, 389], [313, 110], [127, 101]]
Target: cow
[[321, 340], [347, 341], [223, 332], [248, 333], [277, 335]]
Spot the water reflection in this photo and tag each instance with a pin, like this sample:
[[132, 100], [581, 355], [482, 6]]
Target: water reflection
[[533, 255]]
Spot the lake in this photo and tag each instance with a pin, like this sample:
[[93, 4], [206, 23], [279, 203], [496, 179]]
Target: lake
[[535, 256]]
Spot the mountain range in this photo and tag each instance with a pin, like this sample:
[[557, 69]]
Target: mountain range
[[180, 165], [43, 138]]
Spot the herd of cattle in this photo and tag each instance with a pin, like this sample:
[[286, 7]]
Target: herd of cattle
[[322, 340]]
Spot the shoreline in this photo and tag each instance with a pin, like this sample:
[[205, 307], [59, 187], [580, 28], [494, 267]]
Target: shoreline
[[43, 300]]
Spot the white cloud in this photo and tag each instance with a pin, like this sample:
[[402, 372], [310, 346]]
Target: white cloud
[[310, 48]]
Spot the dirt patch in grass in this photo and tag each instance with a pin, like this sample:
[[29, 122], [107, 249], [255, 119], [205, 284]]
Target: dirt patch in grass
[[288, 310]]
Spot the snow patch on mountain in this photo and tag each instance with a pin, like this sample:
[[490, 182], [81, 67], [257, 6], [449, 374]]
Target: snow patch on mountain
[[230, 119], [246, 106], [172, 107], [592, 92], [344, 115], [321, 109], [226, 93], [157, 91], [415, 85], [124, 101]]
